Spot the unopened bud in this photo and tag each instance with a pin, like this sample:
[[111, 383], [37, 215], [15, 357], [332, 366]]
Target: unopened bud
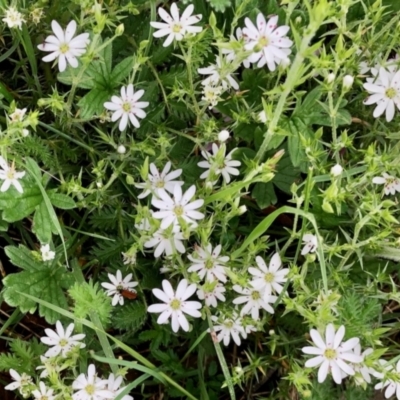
[[242, 209], [348, 81], [25, 132], [120, 30], [99, 185], [330, 78], [121, 149], [271, 332], [223, 136], [336, 170], [262, 116]]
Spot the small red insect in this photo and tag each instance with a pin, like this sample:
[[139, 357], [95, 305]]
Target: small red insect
[[128, 294]]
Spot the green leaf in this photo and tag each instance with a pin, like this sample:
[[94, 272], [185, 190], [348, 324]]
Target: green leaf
[[60, 200], [286, 174], [93, 102], [17, 208], [264, 194], [38, 279], [121, 71], [71, 74], [131, 316], [42, 225]]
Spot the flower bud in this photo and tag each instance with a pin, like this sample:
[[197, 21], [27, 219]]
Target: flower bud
[[223, 136], [242, 209], [271, 332], [262, 116], [336, 170], [348, 81], [330, 78], [121, 149], [120, 30], [25, 132]]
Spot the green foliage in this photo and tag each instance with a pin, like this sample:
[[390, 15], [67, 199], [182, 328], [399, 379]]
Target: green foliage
[[41, 279], [89, 298], [131, 316]]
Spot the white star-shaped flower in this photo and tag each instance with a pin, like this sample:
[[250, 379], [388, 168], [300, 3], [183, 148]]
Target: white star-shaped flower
[[208, 263], [269, 42], [167, 241], [211, 293], [176, 27], [90, 387], [113, 385], [391, 386], [127, 107], [385, 92], [310, 244], [332, 355], [231, 54], [171, 209], [13, 18], [64, 46], [255, 300], [156, 181], [18, 115], [10, 176], [211, 95], [117, 285], [229, 327], [217, 75], [20, 380], [175, 304], [391, 184], [43, 393], [269, 279], [61, 341], [219, 163], [47, 254], [362, 372]]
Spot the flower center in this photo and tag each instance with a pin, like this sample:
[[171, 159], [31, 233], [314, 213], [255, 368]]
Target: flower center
[[255, 295], [90, 389], [64, 48], [228, 324], [330, 354], [160, 184], [391, 93], [175, 304], [126, 106], [176, 27], [178, 211], [63, 342], [25, 379], [10, 174], [44, 398], [209, 264], [263, 42], [269, 277]]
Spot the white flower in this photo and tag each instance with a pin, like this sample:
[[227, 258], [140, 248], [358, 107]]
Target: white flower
[[171, 209], [208, 263], [310, 244], [391, 183], [231, 54], [48, 364], [330, 78], [18, 115], [47, 254], [229, 327], [218, 75], [332, 354], [211, 292], [44, 393], [157, 182], [269, 278], [211, 95], [262, 116], [117, 285], [121, 149], [176, 305], [20, 380], [392, 386], [269, 42], [176, 27], [61, 341], [144, 224], [90, 387], [127, 107], [113, 385], [385, 92], [223, 136], [167, 241], [10, 176], [336, 170], [129, 258], [64, 46], [363, 373], [254, 299], [348, 81], [219, 163], [13, 18]]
